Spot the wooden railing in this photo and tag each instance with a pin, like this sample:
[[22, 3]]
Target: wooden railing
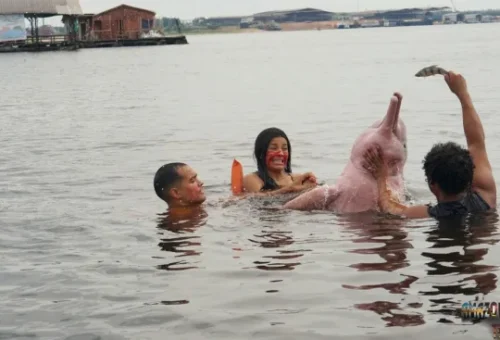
[[44, 39], [49, 39], [90, 36], [107, 35]]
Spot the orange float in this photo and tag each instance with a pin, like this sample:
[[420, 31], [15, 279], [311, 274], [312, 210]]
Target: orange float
[[236, 178]]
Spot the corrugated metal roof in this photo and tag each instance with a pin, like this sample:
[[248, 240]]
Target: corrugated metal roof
[[290, 11], [54, 7], [126, 6]]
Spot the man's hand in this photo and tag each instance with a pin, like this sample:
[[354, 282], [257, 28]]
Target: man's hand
[[373, 162], [457, 84]]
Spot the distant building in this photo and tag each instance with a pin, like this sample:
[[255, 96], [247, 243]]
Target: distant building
[[121, 22], [415, 22], [390, 23], [436, 15], [424, 14], [488, 18], [222, 21], [299, 15], [370, 23], [453, 18], [344, 25], [450, 18], [247, 22], [473, 18]]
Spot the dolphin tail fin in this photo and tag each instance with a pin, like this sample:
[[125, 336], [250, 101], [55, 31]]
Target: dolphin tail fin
[[318, 198]]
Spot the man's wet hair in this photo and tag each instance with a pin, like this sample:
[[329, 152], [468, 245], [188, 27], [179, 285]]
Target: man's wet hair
[[450, 166], [166, 177]]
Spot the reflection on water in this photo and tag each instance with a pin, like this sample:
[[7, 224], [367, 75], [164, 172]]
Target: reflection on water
[[457, 248], [391, 233], [276, 239], [272, 237], [185, 247], [455, 270], [182, 246], [393, 314]]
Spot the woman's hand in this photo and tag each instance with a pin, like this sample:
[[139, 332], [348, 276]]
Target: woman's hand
[[306, 183], [304, 178]]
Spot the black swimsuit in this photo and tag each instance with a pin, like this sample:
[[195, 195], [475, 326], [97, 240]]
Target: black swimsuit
[[471, 203]]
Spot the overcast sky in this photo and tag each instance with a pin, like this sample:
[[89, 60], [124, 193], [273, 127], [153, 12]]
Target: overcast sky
[[189, 9]]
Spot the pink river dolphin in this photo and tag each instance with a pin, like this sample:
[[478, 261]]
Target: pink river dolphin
[[356, 189]]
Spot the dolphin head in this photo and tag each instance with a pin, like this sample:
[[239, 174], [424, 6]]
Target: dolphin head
[[393, 121], [390, 134]]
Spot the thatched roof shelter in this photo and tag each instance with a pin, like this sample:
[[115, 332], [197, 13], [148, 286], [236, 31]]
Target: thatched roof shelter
[[40, 8]]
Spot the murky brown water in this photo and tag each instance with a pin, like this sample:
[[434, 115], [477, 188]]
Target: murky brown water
[[86, 254]]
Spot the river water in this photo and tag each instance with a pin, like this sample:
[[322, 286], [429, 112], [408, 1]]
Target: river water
[[87, 253]]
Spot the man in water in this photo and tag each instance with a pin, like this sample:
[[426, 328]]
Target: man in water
[[461, 179], [178, 185]]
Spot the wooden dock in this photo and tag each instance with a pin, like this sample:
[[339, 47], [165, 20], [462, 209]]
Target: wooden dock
[[37, 48], [169, 40], [44, 45]]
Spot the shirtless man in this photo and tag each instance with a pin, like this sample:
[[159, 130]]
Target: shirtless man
[[178, 185]]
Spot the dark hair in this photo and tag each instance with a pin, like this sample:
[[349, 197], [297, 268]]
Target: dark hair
[[261, 144], [450, 166], [165, 178]]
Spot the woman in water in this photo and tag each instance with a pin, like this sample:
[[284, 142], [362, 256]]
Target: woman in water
[[274, 176]]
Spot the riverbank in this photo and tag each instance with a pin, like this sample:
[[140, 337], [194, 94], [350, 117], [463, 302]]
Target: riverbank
[[294, 26], [221, 30], [299, 26]]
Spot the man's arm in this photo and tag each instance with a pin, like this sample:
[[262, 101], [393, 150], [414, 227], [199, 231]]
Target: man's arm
[[483, 181], [388, 204], [375, 164]]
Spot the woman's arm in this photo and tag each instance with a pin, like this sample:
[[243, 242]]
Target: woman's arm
[[253, 185]]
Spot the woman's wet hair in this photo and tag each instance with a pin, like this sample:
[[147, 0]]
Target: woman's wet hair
[[450, 166], [165, 178], [260, 150]]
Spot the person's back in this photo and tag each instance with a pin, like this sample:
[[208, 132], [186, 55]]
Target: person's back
[[449, 170], [472, 202]]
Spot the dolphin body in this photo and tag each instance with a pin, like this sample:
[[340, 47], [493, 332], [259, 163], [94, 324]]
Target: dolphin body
[[356, 190]]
